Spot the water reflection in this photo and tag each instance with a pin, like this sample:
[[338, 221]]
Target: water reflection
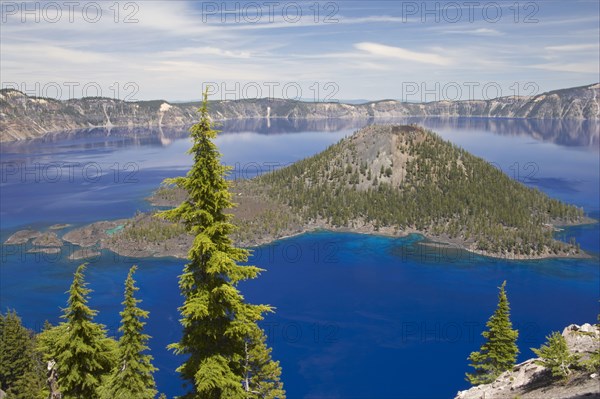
[[570, 133]]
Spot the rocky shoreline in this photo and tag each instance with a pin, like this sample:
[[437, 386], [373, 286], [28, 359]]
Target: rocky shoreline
[[87, 241]]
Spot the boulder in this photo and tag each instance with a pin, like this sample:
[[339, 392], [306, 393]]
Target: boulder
[[582, 339]]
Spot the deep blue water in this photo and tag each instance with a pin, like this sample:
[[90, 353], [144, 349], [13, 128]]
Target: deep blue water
[[357, 316]]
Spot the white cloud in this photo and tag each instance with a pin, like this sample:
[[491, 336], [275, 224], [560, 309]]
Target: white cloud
[[478, 32], [574, 47], [382, 50], [591, 68], [308, 21], [191, 51], [50, 53]]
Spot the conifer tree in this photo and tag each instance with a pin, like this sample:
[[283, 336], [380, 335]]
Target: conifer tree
[[83, 353], [132, 377], [499, 352], [217, 322], [21, 371], [15, 346], [556, 356]]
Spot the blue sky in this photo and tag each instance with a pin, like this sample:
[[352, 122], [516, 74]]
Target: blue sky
[[417, 51]]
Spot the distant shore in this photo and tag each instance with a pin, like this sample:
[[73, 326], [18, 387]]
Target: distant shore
[[29, 117]]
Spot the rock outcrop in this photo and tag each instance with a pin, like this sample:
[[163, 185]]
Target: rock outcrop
[[23, 117], [529, 380], [22, 237], [48, 239]]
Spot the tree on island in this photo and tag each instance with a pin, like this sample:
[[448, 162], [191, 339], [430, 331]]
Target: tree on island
[[218, 324], [83, 354], [499, 352], [132, 378]]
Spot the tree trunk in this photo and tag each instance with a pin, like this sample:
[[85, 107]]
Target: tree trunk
[[53, 381]]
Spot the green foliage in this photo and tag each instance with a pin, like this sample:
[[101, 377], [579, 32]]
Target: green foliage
[[499, 351], [166, 195], [261, 374], [47, 339], [22, 373], [216, 320], [149, 229], [593, 363], [132, 377], [556, 356], [15, 344], [31, 385], [83, 353]]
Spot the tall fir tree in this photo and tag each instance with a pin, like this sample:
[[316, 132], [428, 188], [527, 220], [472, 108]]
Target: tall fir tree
[[217, 322], [132, 378], [83, 353], [499, 352]]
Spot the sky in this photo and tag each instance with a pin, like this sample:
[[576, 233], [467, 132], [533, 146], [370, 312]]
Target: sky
[[317, 50]]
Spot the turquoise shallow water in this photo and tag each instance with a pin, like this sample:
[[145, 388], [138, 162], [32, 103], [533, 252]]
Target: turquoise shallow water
[[357, 316]]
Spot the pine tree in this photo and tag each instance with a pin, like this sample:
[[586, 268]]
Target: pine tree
[[21, 369], [556, 356], [83, 353], [132, 377], [499, 351], [216, 320]]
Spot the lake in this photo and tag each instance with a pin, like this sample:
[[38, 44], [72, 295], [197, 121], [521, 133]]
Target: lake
[[357, 316]]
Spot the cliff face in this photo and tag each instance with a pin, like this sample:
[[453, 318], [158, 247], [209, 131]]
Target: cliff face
[[23, 117], [529, 380]]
